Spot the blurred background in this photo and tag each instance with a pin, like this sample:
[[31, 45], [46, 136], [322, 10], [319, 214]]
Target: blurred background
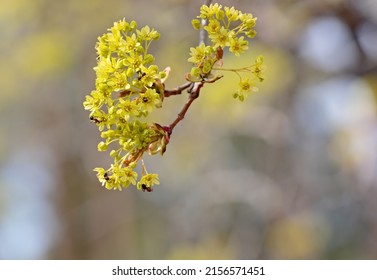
[[288, 174]]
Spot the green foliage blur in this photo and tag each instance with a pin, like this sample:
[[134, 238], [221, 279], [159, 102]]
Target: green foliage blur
[[288, 174]]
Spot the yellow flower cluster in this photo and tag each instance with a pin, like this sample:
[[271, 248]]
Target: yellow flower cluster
[[226, 28], [128, 88]]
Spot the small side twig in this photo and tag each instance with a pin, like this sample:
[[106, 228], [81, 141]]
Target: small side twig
[[177, 90]]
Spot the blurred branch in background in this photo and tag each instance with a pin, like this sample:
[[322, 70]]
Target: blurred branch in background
[[291, 173], [203, 33]]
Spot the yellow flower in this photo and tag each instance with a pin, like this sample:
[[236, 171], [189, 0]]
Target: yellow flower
[[245, 84], [259, 68], [197, 54], [221, 38], [213, 26], [148, 181], [231, 13], [150, 100], [238, 45]]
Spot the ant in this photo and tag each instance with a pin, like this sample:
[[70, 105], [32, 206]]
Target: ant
[[145, 188]]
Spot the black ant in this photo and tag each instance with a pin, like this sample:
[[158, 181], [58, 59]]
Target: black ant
[[93, 119], [145, 188]]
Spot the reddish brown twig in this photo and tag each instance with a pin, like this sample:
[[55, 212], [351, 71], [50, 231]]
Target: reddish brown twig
[[177, 90], [194, 93]]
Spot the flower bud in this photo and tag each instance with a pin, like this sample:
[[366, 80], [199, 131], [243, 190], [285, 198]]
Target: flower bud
[[196, 24], [102, 146]]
